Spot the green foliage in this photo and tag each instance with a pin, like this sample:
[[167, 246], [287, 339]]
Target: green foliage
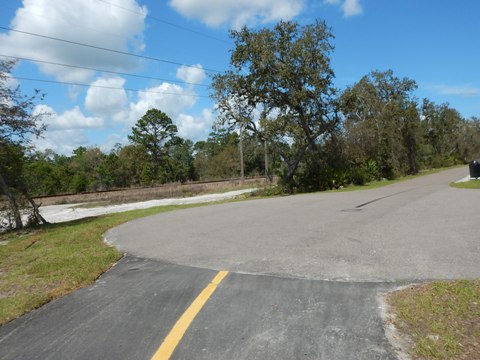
[[285, 72], [382, 123], [153, 131], [218, 157], [18, 123]]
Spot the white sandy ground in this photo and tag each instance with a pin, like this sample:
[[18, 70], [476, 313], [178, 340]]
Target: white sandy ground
[[61, 213]]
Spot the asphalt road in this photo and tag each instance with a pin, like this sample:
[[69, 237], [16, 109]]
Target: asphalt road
[[417, 229], [131, 309], [276, 302]]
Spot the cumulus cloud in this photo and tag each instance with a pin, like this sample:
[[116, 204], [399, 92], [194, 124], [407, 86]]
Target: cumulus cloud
[[238, 13], [68, 120], [85, 21], [66, 131], [195, 128], [172, 99], [189, 74], [349, 7], [62, 141], [104, 101]]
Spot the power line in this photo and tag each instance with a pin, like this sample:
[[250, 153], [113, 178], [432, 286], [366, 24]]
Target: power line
[[103, 86], [101, 70], [165, 22], [106, 49]]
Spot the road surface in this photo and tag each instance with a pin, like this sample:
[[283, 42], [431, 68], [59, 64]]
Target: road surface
[[417, 229]]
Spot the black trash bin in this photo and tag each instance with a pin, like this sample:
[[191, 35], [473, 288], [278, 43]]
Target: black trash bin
[[474, 169]]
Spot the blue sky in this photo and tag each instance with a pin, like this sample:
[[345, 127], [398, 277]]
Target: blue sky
[[434, 42]]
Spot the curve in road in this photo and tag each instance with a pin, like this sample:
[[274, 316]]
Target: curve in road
[[411, 230]]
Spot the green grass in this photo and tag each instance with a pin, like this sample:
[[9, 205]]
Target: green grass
[[441, 318], [472, 184], [40, 265]]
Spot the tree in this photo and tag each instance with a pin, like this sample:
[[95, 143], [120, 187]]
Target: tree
[[18, 122], [285, 74], [180, 160], [441, 127], [382, 123], [153, 131], [217, 157]]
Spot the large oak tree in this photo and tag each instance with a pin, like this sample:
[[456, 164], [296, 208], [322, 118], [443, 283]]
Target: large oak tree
[[284, 75]]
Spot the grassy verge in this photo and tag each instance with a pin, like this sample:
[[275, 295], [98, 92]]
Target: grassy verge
[[441, 318], [472, 184], [41, 265]]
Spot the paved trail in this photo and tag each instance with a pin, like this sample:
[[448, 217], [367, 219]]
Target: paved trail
[[275, 302]]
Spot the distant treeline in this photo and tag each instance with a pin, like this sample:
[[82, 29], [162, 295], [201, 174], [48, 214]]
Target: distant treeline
[[362, 149], [90, 169]]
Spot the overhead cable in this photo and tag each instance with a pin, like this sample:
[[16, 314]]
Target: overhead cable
[[106, 49], [165, 22], [104, 87], [102, 70]]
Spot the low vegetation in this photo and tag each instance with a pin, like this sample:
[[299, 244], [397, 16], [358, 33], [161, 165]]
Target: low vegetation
[[442, 319], [43, 264], [472, 184]]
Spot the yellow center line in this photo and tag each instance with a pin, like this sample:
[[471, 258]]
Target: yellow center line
[[173, 338]]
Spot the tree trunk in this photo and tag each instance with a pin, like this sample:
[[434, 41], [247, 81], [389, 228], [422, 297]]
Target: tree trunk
[[292, 167], [242, 171], [36, 212], [13, 203], [267, 175]]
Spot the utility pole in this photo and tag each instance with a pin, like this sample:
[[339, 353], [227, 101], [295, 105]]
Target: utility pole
[[242, 172], [267, 178]]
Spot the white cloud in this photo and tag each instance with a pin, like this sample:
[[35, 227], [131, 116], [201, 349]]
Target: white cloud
[[85, 21], [189, 74], [238, 13], [67, 131], [172, 99], [349, 7], [465, 91], [68, 120], [61, 141], [195, 128], [106, 102]]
